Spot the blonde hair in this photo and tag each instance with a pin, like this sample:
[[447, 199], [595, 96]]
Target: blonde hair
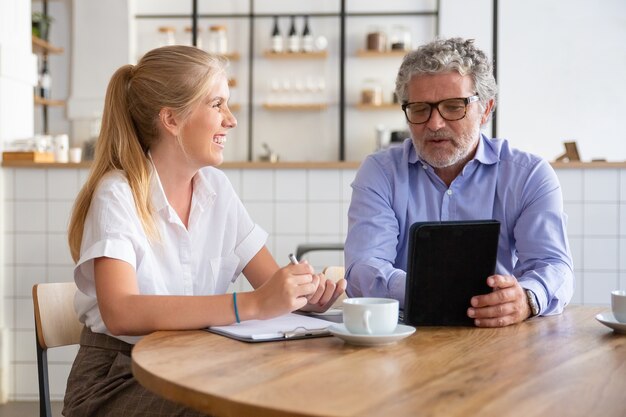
[[177, 77]]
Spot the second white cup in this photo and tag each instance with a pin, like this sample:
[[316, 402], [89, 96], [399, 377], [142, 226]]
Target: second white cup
[[370, 316], [618, 304]]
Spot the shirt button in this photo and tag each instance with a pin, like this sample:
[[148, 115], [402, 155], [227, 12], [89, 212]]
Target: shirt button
[[449, 192], [425, 166]]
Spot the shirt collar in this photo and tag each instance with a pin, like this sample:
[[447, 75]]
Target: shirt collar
[[485, 153]]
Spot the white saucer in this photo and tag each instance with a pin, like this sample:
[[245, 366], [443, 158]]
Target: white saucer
[[329, 312], [608, 319], [341, 332]]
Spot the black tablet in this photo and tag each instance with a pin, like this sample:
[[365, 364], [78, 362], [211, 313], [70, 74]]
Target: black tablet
[[448, 264]]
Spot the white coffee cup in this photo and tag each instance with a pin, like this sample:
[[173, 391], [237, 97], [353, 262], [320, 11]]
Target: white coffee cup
[[371, 316], [75, 154], [618, 304]]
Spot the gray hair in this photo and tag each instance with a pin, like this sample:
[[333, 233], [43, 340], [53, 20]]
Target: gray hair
[[445, 55]]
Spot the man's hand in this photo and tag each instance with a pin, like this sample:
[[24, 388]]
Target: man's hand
[[506, 305]]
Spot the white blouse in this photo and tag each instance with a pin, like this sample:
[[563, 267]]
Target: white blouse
[[201, 260]]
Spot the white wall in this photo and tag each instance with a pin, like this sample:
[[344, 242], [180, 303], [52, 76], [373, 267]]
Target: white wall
[[17, 78]]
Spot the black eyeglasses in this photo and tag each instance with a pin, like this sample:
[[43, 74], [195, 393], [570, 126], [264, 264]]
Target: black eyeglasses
[[451, 109]]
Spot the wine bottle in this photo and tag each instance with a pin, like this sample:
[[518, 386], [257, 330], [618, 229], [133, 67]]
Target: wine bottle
[[307, 38], [277, 39], [44, 83], [294, 39]]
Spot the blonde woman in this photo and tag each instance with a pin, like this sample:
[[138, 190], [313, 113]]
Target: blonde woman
[[157, 233]]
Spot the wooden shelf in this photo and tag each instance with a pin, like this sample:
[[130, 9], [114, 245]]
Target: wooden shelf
[[41, 46], [311, 106], [361, 53], [384, 106], [234, 107], [39, 101], [295, 55]]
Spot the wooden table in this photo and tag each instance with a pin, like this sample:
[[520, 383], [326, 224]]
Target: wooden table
[[566, 365]]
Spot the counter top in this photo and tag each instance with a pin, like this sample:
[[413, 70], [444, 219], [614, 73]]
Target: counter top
[[299, 165]]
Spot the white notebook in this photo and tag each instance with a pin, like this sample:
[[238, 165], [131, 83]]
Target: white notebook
[[287, 327]]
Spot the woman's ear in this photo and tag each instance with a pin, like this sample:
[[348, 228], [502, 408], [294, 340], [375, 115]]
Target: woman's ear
[[168, 121]]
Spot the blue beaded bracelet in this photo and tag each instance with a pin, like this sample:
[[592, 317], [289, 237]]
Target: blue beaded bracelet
[[235, 304]]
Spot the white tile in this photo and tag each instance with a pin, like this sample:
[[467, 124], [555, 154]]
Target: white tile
[[622, 219], [59, 213], [257, 185], [9, 313], [59, 250], [325, 218], [601, 219], [571, 183], [30, 184], [291, 185], [291, 218], [575, 222], [30, 216], [30, 249], [600, 254], [25, 340], [62, 184], [325, 185], [347, 177], [597, 287], [286, 244], [622, 281], [9, 248], [57, 376], [622, 182], [60, 273], [576, 248], [8, 179], [9, 216], [577, 297], [26, 385], [262, 214], [8, 286], [234, 176], [601, 185], [24, 313], [83, 174], [26, 277], [63, 354]]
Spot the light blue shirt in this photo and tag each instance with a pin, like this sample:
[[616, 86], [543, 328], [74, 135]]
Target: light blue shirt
[[395, 188]]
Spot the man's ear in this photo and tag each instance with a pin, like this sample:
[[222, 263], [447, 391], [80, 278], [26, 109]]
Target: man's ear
[[168, 121], [487, 112]]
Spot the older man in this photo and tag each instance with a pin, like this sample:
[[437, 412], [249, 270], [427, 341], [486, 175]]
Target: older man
[[448, 170]]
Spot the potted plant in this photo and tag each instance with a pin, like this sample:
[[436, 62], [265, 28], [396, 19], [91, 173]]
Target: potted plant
[[41, 25]]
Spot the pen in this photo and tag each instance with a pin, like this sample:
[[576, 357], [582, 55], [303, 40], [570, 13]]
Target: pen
[[293, 259]]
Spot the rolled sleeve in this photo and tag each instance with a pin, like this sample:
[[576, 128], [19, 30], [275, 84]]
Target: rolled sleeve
[[110, 248], [250, 246]]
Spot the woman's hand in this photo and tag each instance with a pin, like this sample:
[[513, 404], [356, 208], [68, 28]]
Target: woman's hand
[[326, 294], [287, 290]]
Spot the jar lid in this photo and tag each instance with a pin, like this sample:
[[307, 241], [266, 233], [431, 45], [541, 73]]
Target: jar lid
[[216, 28], [164, 29]]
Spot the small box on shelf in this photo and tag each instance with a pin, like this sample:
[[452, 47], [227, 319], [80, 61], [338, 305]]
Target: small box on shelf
[[28, 156]]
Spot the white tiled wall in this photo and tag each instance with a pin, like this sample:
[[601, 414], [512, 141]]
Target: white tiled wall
[[294, 206]]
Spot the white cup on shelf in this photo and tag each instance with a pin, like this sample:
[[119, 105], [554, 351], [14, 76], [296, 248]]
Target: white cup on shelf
[[75, 155]]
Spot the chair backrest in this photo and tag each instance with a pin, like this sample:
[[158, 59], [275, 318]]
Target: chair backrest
[[56, 324], [335, 273], [55, 319]]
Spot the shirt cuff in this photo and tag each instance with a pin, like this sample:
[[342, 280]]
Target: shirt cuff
[[540, 293], [397, 286]]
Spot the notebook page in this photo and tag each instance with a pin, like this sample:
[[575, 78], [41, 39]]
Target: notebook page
[[274, 328]]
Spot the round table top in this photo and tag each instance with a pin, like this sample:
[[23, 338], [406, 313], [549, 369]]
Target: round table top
[[568, 365]]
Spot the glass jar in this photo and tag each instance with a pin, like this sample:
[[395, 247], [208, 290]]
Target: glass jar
[[400, 38], [166, 35], [218, 42], [372, 92], [189, 37], [376, 40]]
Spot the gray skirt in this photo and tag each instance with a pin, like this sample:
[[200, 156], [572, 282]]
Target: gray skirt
[[101, 383]]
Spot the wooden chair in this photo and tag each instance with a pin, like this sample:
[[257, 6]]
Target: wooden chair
[[56, 324], [335, 273]]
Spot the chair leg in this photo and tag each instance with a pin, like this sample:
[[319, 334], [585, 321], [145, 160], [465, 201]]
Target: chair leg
[[45, 409]]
